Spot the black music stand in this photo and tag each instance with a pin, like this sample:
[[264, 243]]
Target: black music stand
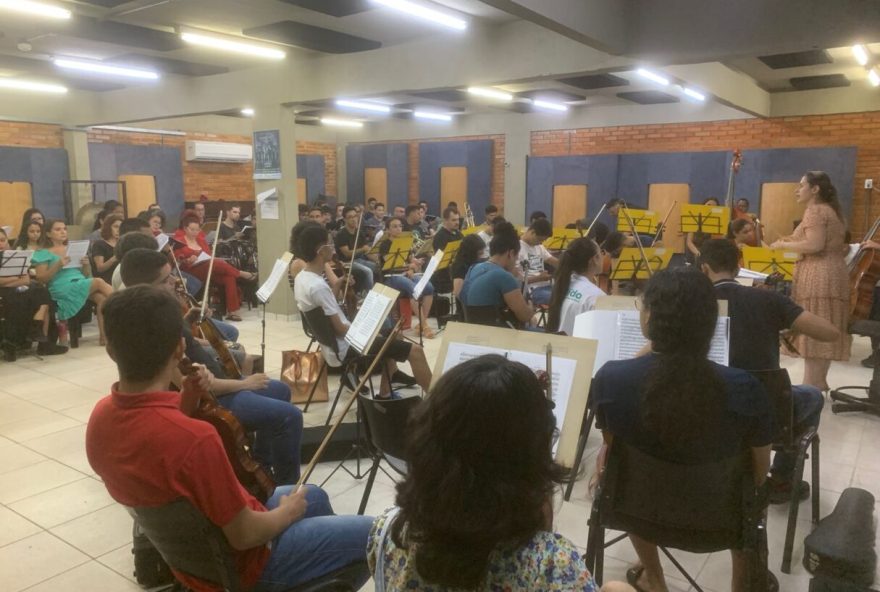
[[706, 223]]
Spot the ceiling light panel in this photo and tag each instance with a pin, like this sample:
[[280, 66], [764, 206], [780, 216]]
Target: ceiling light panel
[[423, 12], [341, 122], [653, 77], [873, 77], [35, 9], [490, 93], [363, 106], [432, 116], [549, 105], [101, 68], [225, 44], [28, 85], [247, 112], [861, 54], [696, 95]]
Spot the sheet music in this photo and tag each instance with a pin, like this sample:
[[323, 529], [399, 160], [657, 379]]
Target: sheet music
[[433, 262], [370, 317], [15, 263], [562, 374], [271, 284], [76, 250], [629, 339], [162, 239], [268, 203], [203, 256]]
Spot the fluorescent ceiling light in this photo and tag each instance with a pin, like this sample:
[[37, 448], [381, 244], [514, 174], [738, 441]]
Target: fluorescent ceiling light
[[652, 76], [341, 122], [100, 68], [432, 116], [693, 94], [35, 8], [861, 54], [247, 112], [423, 12], [233, 46], [874, 77], [139, 130], [363, 106], [490, 93], [16, 84], [549, 105]]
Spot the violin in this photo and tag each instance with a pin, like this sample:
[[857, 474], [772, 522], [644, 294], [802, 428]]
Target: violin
[[864, 271], [603, 278], [249, 472]]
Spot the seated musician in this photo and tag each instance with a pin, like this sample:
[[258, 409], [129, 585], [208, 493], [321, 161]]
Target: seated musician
[[743, 233], [27, 308], [29, 237], [297, 264], [191, 246], [677, 405], [104, 261], [693, 240], [405, 277], [149, 449], [413, 222], [455, 541], [533, 256], [573, 289], [756, 318], [448, 231], [469, 254], [311, 292], [364, 267], [155, 217], [492, 282], [260, 404], [487, 232], [230, 228]]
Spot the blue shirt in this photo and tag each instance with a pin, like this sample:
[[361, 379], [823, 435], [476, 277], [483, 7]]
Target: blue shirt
[[486, 284], [616, 394]]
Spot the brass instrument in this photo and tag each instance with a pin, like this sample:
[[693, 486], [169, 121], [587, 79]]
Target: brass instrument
[[468, 217]]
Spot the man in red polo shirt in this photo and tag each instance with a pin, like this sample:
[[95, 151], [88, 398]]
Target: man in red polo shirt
[[149, 452]]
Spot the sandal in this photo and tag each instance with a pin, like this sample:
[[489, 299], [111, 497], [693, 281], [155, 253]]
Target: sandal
[[632, 577], [425, 331], [233, 317]]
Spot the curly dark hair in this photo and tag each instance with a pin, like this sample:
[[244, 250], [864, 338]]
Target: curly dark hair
[[469, 251], [684, 396], [827, 191], [481, 470], [295, 232]]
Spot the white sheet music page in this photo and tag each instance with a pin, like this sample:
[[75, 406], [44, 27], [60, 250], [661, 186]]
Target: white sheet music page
[[369, 319], [76, 250], [271, 284], [162, 239], [429, 271]]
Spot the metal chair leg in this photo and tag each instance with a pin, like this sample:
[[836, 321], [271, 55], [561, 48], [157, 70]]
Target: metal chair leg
[[796, 478], [815, 477], [370, 479]]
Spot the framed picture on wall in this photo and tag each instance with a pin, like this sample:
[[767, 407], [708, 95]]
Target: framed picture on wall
[[267, 154]]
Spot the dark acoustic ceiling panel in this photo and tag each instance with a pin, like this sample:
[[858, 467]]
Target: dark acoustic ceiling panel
[[106, 3], [648, 97], [311, 37], [816, 82], [447, 96], [813, 57], [551, 95], [595, 81], [124, 34], [337, 8], [168, 65]]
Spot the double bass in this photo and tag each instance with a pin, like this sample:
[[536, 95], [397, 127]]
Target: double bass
[[864, 272]]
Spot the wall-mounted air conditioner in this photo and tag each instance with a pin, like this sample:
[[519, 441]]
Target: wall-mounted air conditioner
[[218, 151]]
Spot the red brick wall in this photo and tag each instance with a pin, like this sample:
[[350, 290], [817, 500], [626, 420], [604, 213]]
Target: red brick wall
[[328, 151], [859, 129], [216, 180], [30, 135], [498, 156]]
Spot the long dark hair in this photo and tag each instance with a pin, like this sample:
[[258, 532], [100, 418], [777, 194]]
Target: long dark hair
[[470, 249], [575, 259], [481, 470], [827, 191], [25, 222], [684, 396]]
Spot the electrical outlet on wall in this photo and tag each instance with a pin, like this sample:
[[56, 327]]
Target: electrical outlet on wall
[[869, 183]]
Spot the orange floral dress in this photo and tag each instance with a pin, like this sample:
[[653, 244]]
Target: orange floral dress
[[821, 283]]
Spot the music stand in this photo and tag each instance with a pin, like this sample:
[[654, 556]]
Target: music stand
[[644, 221], [398, 253], [561, 238], [765, 260], [472, 230], [704, 218], [449, 254], [15, 263], [631, 266]]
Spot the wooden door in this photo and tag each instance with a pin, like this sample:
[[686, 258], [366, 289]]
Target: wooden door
[[140, 192], [376, 185], [302, 197], [453, 187], [661, 196], [15, 199], [779, 210], [569, 204]]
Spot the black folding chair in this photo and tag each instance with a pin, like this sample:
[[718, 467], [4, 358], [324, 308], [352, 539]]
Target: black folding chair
[[701, 508], [191, 544]]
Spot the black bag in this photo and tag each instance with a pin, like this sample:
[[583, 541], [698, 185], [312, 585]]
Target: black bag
[[150, 569]]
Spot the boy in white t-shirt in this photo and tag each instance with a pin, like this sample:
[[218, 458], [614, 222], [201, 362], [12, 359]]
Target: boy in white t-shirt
[[532, 257], [573, 292]]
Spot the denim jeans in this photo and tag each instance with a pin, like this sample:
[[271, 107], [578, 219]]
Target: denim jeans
[[316, 545], [227, 330], [363, 275], [406, 286], [278, 425], [541, 295], [807, 401]]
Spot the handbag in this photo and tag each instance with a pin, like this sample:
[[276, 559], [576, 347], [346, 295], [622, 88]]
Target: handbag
[[302, 371]]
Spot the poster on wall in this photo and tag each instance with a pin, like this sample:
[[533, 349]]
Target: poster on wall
[[267, 155]]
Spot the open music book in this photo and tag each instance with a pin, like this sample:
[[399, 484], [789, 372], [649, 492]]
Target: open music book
[[369, 319]]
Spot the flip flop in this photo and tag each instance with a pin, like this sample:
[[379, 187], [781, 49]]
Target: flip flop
[[632, 577]]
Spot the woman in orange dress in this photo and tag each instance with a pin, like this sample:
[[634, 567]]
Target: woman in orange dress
[[821, 280]]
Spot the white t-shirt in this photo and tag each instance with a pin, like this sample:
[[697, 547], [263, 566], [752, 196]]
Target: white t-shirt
[[581, 297], [535, 256], [116, 280], [311, 291], [486, 238]]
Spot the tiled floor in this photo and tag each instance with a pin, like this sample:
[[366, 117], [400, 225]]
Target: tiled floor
[[59, 530]]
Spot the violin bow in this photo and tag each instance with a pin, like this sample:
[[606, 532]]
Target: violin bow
[[593, 223], [357, 235], [635, 233], [662, 226], [207, 295]]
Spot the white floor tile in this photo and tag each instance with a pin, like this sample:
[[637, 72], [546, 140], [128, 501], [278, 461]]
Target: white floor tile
[[99, 532], [15, 527], [91, 576], [64, 503], [35, 558], [23, 483]]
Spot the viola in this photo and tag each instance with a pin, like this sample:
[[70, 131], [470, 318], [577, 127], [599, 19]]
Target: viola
[[249, 472], [864, 271], [603, 278]]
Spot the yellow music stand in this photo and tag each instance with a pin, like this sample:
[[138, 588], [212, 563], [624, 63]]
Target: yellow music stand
[[449, 254], [707, 219], [630, 264], [765, 260], [398, 253], [645, 221], [560, 239], [471, 230]]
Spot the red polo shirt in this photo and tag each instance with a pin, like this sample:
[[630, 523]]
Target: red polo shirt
[[149, 453]]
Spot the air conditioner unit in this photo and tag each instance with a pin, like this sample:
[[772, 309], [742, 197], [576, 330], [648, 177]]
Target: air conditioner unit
[[218, 151]]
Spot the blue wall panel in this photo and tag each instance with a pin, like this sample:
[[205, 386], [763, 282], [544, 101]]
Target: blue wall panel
[[311, 168], [45, 169], [476, 155], [599, 172], [394, 158]]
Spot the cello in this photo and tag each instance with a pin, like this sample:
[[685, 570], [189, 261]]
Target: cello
[[864, 272]]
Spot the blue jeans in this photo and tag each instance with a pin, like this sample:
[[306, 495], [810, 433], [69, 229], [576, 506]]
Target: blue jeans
[[318, 544], [278, 425], [807, 401], [541, 295], [406, 286], [193, 284], [227, 330]]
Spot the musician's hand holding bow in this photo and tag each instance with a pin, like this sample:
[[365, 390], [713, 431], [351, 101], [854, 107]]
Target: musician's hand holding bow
[[196, 383], [294, 504], [255, 382]]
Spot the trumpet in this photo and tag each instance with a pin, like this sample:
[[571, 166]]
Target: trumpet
[[468, 217]]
